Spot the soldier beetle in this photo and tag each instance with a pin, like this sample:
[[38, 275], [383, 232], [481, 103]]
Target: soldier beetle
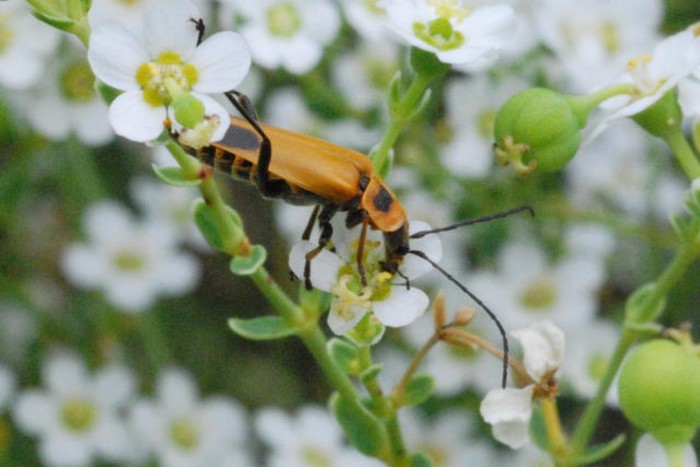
[[304, 170]]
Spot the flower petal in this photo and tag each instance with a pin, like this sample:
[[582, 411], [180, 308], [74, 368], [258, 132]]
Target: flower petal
[[402, 307], [168, 27], [543, 348], [324, 266], [222, 61], [509, 411], [115, 55], [342, 323], [134, 119], [413, 266]]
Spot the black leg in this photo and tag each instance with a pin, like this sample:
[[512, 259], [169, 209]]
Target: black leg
[[199, 25], [324, 223]]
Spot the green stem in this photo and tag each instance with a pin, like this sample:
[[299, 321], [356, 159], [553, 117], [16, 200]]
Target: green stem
[[675, 453], [589, 419], [401, 114], [684, 153], [156, 346]]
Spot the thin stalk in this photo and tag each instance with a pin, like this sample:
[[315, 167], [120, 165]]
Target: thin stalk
[[684, 153]]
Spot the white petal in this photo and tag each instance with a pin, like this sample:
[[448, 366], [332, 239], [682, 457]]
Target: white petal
[[168, 27], [543, 348], [402, 307], [177, 390], [60, 448], [273, 426], [115, 55], [342, 324], [34, 411], [83, 266], [134, 119], [324, 266], [65, 374], [509, 411], [413, 266], [222, 61], [224, 420], [115, 385], [650, 453]]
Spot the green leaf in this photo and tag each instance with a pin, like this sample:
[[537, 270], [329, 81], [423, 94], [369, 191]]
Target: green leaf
[[247, 265], [538, 429], [371, 372], [206, 224], [419, 389], [174, 176], [344, 354], [601, 451], [263, 328], [363, 430], [107, 92], [395, 91], [643, 305], [421, 459]]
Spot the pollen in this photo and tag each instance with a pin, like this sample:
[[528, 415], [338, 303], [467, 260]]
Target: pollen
[[636, 62], [77, 83], [184, 434], [5, 33], [539, 295], [450, 9], [439, 33]]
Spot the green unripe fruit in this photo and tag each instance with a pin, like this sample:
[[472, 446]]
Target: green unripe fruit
[[659, 391], [538, 129], [188, 110]]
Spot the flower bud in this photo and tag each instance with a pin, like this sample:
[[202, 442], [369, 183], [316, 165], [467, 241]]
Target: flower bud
[[658, 390], [537, 129]]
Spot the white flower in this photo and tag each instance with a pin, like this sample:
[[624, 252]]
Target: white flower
[[25, 45], [184, 430], [17, 332], [132, 263], [653, 75], [509, 410], [367, 17], [650, 453], [170, 205], [456, 34], [594, 38], [311, 438], [588, 352], [7, 386], [66, 103], [393, 305], [77, 417], [689, 96], [285, 33], [528, 287], [168, 54], [469, 153]]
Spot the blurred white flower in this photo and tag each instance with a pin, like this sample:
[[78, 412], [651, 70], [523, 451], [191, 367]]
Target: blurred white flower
[[589, 350], [167, 53], [66, 103], [170, 205], [650, 453], [17, 332], [284, 33], [7, 386], [528, 287], [182, 429], [132, 263], [509, 410], [310, 438], [472, 104], [368, 18], [594, 38], [448, 440], [455, 33], [393, 305], [689, 96], [25, 45], [77, 417]]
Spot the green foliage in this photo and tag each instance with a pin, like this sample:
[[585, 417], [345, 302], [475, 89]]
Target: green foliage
[[263, 328]]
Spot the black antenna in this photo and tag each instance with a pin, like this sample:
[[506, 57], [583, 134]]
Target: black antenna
[[491, 314], [478, 220]]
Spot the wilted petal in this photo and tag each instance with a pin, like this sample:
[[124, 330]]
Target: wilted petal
[[543, 348]]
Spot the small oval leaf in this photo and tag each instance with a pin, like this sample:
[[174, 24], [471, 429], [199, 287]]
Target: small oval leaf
[[419, 389], [263, 328], [421, 459], [363, 430], [371, 372], [247, 265], [206, 224], [344, 354], [174, 176]]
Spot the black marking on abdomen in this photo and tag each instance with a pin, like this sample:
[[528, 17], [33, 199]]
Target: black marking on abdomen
[[242, 138]]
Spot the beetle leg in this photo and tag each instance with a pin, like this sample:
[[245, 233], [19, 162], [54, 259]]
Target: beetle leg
[[310, 225], [361, 251], [199, 25], [245, 108], [324, 222]]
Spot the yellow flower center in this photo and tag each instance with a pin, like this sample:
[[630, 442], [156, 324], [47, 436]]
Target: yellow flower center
[[6, 32], [184, 434], [638, 67], [152, 77], [78, 415], [611, 37], [486, 120], [283, 20], [128, 261], [539, 294], [315, 458], [597, 366], [450, 9], [374, 8], [77, 83]]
